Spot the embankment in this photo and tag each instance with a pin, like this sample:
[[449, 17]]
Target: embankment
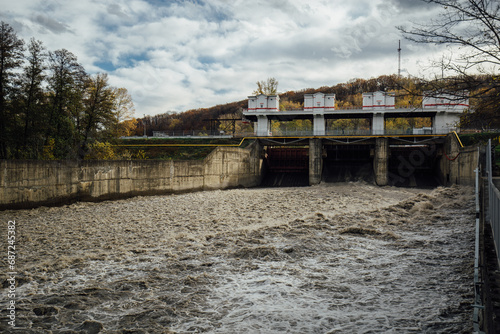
[[29, 183]]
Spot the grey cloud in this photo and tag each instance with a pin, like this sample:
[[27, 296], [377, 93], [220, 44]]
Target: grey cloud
[[115, 9], [18, 26], [194, 10], [409, 5], [51, 24]]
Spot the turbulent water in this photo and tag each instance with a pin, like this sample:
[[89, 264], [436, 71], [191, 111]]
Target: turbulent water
[[333, 258]]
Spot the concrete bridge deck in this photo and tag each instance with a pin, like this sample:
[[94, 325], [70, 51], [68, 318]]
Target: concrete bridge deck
[[444, 111], [341, 113]]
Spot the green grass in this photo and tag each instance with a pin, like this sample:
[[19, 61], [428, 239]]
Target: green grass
[[196, 149]]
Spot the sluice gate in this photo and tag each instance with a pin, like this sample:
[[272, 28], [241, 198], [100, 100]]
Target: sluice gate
[[344, 163], [285, 159], [411, 161], [286, 166], [414, 166]]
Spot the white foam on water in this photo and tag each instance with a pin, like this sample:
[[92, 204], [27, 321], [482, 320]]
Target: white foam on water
[[341, 258]]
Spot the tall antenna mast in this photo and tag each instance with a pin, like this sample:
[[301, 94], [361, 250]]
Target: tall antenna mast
[[399, 60]]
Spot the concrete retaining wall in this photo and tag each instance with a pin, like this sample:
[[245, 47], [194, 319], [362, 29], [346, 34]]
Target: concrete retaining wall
[[30, 183], [467, 162], [457, 165]]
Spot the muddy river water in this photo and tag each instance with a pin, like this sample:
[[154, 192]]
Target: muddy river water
[[332, 258]]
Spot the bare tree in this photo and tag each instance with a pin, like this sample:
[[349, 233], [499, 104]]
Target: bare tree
[[474, 27], [474, 24], [268, 87]]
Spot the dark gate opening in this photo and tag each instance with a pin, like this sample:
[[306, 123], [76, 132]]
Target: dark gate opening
[[286, 167], [345, 163], [413, 166]]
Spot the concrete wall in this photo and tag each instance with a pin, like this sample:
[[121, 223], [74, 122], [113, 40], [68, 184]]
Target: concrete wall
[[466, 163], [26, 183], [457, 163], [381, 161], [315, 161]]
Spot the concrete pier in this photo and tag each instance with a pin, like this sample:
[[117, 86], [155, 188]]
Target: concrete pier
[[319, 125], [381, 161], [315, 161]]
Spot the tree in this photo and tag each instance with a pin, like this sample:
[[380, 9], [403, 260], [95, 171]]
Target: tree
[[98, 107], [33, 100], [122, 122], [11, 55], [269, 87], [474, 27], [474, 24], [286, 104], [66, 84]]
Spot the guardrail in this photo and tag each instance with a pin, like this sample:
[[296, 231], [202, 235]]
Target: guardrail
[[361, 132]]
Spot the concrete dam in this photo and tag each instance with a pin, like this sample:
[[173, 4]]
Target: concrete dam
[[334, 257], [410, 161], [331, 257], [417, 157]]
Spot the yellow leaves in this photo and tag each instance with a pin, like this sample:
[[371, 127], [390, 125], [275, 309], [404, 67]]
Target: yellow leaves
[[48, 150], [269, 87], [349, 124], [290, 105], [101, 151], [174, 123], [296, 126], [407, 123], [408, 100], [126, 128], [141, 155], [351, 101]]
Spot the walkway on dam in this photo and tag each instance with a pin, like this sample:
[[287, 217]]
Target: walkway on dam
[[444, 110]]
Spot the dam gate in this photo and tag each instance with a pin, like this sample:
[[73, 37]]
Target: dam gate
[[414, 161]]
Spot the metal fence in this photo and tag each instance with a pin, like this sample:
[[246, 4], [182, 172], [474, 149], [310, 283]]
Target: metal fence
[[493, 213], [478, 304], [357, 132], [292, 132], [492, 216]]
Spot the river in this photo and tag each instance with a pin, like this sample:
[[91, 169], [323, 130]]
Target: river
[[334, 258]]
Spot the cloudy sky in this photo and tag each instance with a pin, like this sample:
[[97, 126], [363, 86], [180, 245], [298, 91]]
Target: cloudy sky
[[175, 55]]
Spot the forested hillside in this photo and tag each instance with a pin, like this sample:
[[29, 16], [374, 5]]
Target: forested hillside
[[347, 94], [408, 90]]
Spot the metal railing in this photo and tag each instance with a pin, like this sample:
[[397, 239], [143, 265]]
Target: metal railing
[[492, 216], [295, 132], [493, 201], [362, 132], [190, 133]]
